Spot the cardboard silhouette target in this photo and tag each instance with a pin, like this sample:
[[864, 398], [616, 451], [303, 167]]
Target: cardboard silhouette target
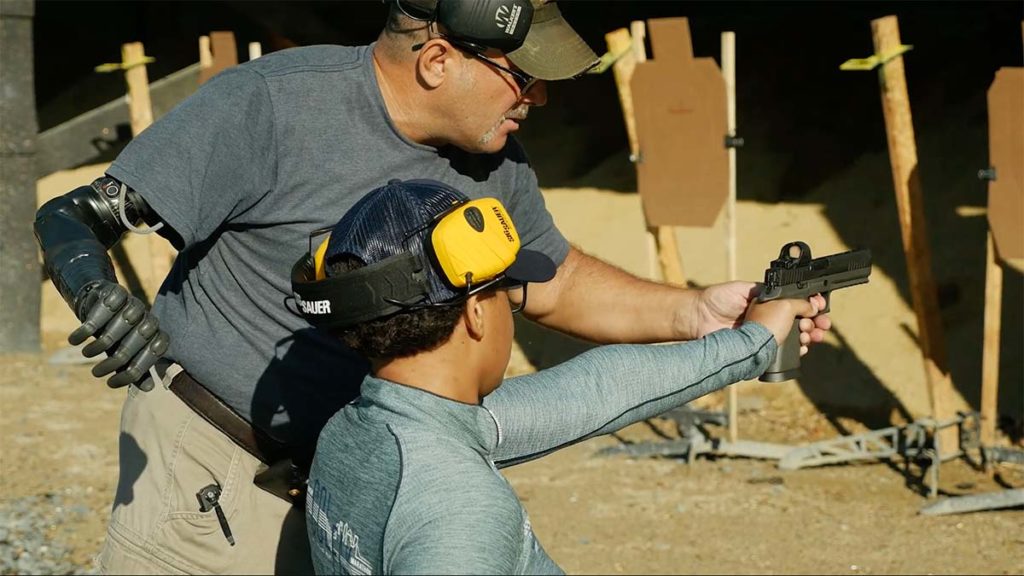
[[680, 108], [1006, 155]]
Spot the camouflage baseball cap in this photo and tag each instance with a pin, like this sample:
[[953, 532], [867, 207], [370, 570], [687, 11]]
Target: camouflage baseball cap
[[552, 49]]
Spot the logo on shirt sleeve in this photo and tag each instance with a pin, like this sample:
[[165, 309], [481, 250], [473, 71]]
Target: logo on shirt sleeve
[[337, 540]]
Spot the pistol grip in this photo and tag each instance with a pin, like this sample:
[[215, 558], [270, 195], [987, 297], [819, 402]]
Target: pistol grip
[[786, 364]]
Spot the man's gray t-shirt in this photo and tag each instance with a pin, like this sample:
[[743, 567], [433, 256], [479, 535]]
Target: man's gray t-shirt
[[243, 171], [406, 482]]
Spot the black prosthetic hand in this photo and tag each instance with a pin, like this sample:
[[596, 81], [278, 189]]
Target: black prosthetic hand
[[74, 232], [124, 328]]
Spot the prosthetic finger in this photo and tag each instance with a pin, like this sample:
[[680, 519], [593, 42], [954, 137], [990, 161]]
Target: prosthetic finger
[[142, 362], [129, 347], [120, 325], [109, 301]]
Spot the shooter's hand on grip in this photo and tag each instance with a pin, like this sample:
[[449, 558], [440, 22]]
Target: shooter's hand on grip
[[124, 328], [725, 306], [783, 318]]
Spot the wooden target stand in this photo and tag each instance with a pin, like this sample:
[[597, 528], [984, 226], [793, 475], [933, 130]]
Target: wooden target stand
[[680, 117], [935, 437], [143, 260], [217, 52], [1005, 244], [1005, 247], [951, 431]]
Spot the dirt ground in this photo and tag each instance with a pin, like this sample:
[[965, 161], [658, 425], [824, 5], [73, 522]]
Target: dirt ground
[[613, 514], [593, 514]]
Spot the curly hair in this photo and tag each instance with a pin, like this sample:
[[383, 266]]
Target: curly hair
[[401, 334]]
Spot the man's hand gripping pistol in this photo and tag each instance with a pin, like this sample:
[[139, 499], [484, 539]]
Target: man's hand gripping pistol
[[795, 275]]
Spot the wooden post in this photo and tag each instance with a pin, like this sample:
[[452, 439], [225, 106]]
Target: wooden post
[[637, 35], [665, 242], [205, 52], [668, 256], [729, 71], [664, 237], [906, 179], [140, 109], [990, 346], [217, 52], [619, 41], [139, 106], [1008, 161], [990, 349]]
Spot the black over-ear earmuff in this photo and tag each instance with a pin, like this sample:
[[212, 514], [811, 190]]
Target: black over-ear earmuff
[[482, 24], [374, 291]]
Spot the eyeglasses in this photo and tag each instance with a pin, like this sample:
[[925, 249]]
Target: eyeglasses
[[517, 308], [500, 283], [522, 80]]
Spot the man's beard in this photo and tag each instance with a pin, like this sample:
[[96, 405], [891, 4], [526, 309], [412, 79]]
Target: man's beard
[[517, 113]]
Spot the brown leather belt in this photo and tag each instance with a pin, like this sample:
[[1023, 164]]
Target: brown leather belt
[[251, 439]]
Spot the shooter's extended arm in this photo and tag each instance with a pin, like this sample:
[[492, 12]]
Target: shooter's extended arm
[[795, 275]]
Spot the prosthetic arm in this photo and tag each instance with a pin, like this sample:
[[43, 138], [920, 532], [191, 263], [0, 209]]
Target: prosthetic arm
[[74, 232]]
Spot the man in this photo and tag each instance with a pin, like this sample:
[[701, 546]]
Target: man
[[236, 177], [405, 478]]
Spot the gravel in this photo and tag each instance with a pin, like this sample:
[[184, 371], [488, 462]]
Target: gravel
[[30, 535]]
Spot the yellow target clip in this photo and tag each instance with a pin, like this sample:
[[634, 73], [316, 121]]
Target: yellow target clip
[[875, 60]]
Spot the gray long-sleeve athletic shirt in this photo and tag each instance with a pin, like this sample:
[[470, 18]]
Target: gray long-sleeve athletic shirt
[[405, 481]]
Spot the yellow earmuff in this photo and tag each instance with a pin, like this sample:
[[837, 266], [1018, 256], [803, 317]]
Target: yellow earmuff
[[470, 243], [475, 242], [318, 259]]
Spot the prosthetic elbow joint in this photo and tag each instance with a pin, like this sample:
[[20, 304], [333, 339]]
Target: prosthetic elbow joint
[[75, 231]]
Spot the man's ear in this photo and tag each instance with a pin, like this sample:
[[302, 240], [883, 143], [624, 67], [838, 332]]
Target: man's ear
[[473, 316], [434, 62]]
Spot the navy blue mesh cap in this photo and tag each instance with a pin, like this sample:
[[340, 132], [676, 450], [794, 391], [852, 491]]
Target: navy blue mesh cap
[[397, 220], [378, 226], [391, 231]]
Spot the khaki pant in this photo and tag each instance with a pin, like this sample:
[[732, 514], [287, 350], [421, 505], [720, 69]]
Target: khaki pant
[[167, 454]]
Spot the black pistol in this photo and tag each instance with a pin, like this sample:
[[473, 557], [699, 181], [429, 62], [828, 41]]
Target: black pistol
[[795, 275]]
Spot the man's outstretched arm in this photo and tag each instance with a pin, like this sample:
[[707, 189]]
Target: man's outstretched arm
[[596, 301], [609, 387]]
